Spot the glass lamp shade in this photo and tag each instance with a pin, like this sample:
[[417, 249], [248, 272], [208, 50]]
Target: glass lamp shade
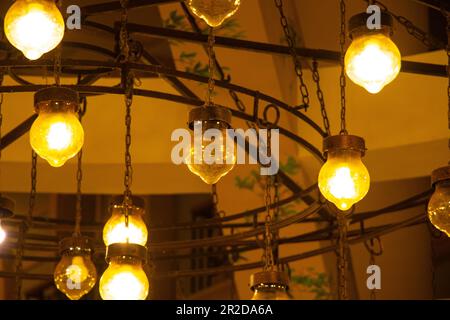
[[34, 27], [75, 275], [372, 61], [439, 204], [57, 136], [2, 233], [116, 229], [125, 278], [269, 285], [214, 12], [270, 292], [207, 161]]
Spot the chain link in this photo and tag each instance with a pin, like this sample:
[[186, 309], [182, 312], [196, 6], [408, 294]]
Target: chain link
[[268, 249], [342, 255], [211, 68], [1, 113], [320, 97], [428, 40], [123, 37], [215, 198], [295, 58], [78, 212], [343, 80]]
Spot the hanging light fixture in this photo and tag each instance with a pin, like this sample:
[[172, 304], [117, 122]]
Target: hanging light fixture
[[125, 279], [343, 179], [439, 205], [34, 27], [214, 12], [373, 60], [56, 135], [75, 275], [211, 164], [6, 211], [269, 285], [126, 224], [222, 162]]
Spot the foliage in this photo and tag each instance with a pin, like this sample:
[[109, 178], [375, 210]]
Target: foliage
[[189, 59], [314, 282]]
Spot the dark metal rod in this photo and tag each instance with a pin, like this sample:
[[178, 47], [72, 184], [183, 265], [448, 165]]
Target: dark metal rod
[[17, 132], [239, 44]]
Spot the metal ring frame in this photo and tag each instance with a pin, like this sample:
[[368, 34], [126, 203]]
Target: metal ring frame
[[90, 71]]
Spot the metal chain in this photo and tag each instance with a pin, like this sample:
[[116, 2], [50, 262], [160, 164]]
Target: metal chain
[[57, 66], [25, 226], [295, 58], [215, 198], [268, 249], [1, 113], [78, 208], [124, 44], [343, 80], [342, 255], [320, 97], [428, 40], [276, 216], [447, 18], [370, 247], [211, 68]]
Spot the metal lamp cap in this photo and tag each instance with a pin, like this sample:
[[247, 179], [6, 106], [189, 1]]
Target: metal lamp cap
[[135, 201], [77, 243], [56, 99], [344, 142], [276, 278], [440, 174], [130, 250], [210, 113], [358, 23], [6, 207]]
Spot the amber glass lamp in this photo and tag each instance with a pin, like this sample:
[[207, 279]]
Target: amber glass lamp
[[269, 285], [118, 230], [213, 12], [344, 179], [439, 204], [56, 135], [125, 278], [211, 166], [373, 60], [34, 27], [75, 275], [6, 211]]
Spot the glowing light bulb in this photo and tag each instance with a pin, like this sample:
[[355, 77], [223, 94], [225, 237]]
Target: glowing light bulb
[[439, 204], [34, 27], [214, 12], [269, 285], [116, 229], [211, 160], [373, 60], [124, 279], [344, 180], [75, 274], [2, 233], [56, 135]]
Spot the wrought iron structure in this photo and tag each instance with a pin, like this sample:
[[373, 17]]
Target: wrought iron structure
[[89, 71]]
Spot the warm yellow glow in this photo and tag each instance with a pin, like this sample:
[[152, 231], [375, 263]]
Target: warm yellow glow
[[270, 292], [34, 27], [75, 275], [124, 279], [439, 207], [344, 179], [373, 61], [116, 231], [219, 164], [214, 12], [2, 234], [57, 136]]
